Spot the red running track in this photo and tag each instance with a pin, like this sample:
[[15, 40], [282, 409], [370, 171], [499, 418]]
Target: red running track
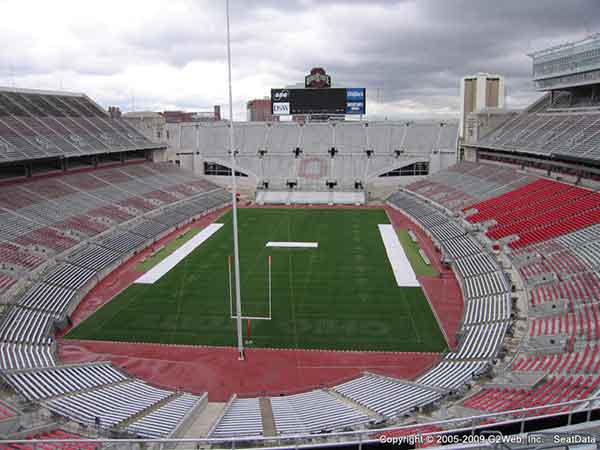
[[216, 370]]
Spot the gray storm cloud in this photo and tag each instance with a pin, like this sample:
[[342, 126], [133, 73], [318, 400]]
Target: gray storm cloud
[[165, 54]]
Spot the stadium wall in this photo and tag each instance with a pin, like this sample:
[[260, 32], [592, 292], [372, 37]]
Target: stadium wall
[[265, 152], [160, 155]]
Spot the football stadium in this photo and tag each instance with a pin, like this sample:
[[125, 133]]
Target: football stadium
[[327, 281]]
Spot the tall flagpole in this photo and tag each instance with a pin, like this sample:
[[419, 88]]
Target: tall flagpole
[[236, 254]]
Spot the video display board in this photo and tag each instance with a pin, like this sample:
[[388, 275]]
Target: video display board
[[332, 101]]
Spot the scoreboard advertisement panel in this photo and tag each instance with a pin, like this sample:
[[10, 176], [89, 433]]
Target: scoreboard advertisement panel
[[318, 101]]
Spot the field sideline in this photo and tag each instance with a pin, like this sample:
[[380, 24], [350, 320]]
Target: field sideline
[[416, 260], [168, 249], [341, 296]]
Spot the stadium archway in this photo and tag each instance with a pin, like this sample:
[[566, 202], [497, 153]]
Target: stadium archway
[[379, 175], [248, 176]]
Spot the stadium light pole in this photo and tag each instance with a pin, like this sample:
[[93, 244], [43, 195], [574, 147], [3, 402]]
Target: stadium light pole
[[236, 253]]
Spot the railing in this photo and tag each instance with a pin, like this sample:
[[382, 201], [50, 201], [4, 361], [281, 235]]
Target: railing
[[465, 432]]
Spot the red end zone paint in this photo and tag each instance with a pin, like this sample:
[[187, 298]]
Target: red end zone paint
[[216, 370]]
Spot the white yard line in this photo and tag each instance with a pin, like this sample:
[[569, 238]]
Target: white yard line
[[293, 244], [403, 271], [163, 267]]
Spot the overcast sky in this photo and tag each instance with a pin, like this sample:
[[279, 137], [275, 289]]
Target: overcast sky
[[159, 54]]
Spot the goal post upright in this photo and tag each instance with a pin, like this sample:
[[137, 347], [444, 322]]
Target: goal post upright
[[269, 295], [236, 255], [270, 290], [230, 285]]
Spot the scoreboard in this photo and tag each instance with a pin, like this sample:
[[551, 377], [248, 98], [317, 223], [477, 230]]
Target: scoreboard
[[329, 101]]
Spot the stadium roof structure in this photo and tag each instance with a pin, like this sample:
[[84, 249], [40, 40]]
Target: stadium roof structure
[[592, 38], [40, 91], [568, 66]]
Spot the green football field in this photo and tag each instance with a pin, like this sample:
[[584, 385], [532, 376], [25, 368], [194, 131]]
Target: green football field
[[340, 296]]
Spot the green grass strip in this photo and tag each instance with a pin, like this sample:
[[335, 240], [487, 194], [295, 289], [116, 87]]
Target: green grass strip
[[416, 261], [167, 250]]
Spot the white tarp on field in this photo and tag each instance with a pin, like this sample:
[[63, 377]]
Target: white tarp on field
[[293, 244], [403, 271], [155, 274]]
